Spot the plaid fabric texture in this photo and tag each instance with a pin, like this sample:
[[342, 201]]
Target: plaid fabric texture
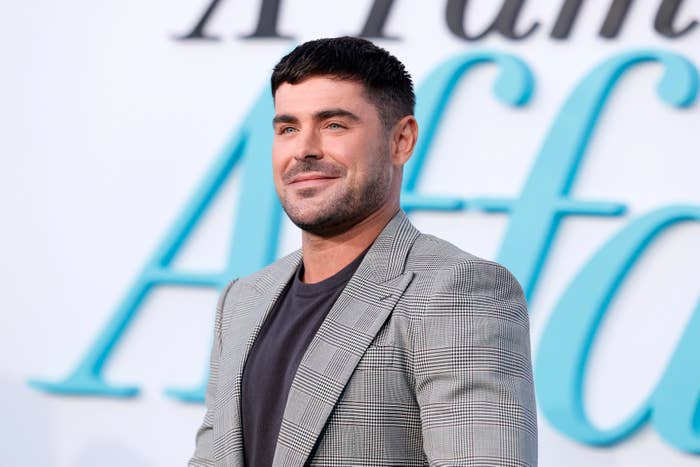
[[423, 360]]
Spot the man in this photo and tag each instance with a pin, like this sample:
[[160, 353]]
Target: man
[[374, 344]]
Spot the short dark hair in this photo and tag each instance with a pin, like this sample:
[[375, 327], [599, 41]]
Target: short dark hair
[[387, 83]]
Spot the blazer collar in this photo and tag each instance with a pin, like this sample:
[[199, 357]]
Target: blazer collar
[[350, 326], [386, 258]]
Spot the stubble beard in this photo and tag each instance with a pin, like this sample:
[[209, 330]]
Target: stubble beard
[[340, 212]]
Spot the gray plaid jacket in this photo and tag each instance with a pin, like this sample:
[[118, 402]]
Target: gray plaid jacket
[[423, 360]]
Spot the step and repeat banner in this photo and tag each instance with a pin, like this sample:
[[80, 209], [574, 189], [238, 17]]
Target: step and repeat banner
[[558, 137]]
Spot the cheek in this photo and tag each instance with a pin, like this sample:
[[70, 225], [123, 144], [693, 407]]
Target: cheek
[[352, 153]]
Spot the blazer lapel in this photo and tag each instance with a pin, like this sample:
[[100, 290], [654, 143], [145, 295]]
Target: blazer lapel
[[246, 321], [349, 328]]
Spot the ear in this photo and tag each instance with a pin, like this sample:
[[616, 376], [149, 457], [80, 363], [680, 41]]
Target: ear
[[403, 139]]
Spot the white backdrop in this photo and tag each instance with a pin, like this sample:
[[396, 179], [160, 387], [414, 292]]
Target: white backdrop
[[108, 126]]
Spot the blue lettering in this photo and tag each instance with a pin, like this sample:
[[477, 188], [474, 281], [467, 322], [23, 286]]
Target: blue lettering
[[676, 400], [253, 246], [513, 87], [544, 200], [567, 340]]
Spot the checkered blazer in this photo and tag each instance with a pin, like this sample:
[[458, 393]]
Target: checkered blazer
[[424, 359]]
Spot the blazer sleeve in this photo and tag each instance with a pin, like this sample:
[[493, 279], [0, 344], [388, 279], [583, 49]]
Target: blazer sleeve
[[203, 453], [473, 370]]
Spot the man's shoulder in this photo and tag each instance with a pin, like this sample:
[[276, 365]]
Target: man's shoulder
[[431, 253], [438, 262]]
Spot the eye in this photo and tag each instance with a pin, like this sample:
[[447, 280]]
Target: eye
[[286, 130], [335, 126]]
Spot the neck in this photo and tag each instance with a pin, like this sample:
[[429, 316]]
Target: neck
[[325, 256]]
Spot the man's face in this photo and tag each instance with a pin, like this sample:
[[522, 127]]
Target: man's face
[[330, 155]]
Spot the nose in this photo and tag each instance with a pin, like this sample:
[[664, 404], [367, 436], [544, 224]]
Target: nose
[[309, 146]]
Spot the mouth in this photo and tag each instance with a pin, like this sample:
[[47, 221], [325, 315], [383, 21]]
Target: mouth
[[307, 180]]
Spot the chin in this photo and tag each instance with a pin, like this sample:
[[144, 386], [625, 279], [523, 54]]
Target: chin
[[299, 213], [320, 222], [308, 221]]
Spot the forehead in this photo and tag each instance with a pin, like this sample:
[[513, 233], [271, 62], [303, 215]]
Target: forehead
[[321, 92]]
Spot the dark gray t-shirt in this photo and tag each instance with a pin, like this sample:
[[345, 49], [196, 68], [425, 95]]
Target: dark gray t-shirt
[[275, 356]]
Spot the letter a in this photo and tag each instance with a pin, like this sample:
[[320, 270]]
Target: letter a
[[253, 246]]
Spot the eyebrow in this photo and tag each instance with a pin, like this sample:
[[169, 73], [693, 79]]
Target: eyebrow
[[332, 113], [320, 115]]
